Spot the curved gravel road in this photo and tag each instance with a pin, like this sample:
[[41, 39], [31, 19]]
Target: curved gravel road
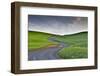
[[49, 53]]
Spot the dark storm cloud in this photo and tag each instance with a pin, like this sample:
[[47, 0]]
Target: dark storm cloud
[[57, 24]]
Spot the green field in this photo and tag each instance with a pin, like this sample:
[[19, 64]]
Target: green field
[[38, 40], [77, 44]]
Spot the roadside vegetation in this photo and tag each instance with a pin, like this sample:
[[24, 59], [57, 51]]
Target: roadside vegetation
[[77, 46]]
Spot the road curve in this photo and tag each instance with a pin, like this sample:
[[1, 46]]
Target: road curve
[[49, 53]]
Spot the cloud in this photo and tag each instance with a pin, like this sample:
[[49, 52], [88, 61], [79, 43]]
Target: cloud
[[78, 24]]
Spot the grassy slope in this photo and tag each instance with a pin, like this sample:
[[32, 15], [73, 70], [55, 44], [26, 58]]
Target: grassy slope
[[38, 40], [77, 43], [77, 46]]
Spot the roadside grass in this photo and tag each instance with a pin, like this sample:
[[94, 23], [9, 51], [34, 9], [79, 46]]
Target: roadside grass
[[73, 53], [77, 46]]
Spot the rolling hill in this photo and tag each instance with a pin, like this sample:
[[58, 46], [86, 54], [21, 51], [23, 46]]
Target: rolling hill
[[77, 43]]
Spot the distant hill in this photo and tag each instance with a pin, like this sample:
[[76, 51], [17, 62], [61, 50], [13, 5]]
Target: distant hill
[[59, 35]]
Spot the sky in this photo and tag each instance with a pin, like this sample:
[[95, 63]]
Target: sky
[[59, 25]]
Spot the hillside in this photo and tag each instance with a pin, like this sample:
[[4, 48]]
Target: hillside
[[35, 38], [38, 40], [77, 43]]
